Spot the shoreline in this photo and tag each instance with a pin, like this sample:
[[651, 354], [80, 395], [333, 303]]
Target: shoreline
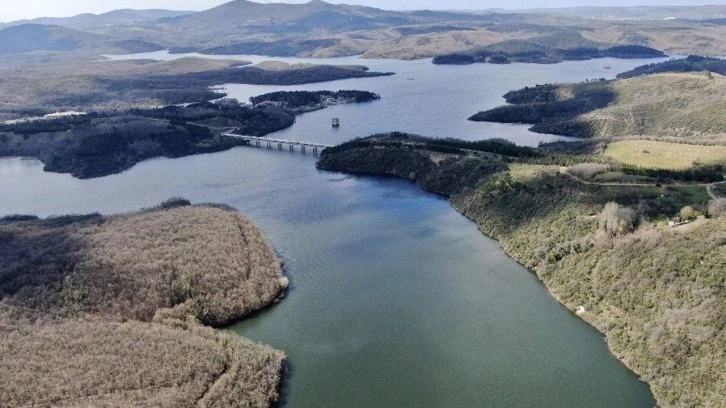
[[549, 226], [555, 295]]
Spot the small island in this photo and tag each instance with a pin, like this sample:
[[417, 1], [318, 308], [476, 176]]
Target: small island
[[119, 310], [546, 50], [309, 101]]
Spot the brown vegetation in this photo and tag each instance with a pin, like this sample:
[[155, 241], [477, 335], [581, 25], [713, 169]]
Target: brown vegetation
[[106, 311]]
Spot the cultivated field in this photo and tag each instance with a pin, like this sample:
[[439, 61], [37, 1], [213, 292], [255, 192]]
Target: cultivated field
[[653, 154]]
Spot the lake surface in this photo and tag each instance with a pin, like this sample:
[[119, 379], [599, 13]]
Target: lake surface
[[422, 98], [396, 300]]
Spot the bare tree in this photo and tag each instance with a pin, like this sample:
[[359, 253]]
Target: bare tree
[[617, 220]]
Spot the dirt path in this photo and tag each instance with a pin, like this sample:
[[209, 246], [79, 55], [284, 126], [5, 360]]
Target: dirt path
[[709, 189]]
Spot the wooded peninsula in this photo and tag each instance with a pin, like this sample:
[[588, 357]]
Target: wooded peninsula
[[119, 310]]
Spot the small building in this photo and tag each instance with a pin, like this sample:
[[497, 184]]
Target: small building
[[263, 104]]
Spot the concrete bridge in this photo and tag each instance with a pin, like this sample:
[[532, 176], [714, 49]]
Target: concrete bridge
[[270, 143]]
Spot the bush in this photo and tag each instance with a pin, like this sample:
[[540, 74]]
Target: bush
[[587, 171], [174, 202], [717, 208], [688, 213]]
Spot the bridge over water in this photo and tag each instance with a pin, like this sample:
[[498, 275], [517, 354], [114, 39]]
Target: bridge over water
[[270, 143]]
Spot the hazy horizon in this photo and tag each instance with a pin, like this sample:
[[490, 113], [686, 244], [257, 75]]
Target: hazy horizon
[[31, 9]]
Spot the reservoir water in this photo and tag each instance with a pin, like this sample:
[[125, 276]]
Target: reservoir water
[[396, 300]]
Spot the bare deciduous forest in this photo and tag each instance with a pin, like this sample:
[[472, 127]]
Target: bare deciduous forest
[[111, 311]]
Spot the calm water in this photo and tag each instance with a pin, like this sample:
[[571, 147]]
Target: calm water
[[396, 299], [423, 98]]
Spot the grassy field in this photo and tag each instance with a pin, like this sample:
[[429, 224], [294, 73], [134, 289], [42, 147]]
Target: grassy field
[[647, 153]]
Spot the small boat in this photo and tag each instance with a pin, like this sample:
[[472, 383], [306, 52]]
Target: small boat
[[607, 67], [335, 122]]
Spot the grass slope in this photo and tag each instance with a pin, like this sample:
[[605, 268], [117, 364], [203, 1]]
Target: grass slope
[[683, 107], [106, 311], [648, 153]]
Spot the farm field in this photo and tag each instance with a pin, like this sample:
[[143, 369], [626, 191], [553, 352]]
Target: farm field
[[653, 154]]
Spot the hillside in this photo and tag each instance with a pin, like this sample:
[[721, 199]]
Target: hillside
[[321, 29], [682, 107], [36, 37], [112, 18], [601, 248], [106, 310], [106, 85], [641, 12], [335, 30]]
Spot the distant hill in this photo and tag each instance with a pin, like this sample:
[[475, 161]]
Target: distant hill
[[640, 12], [243, 15], [321, 29], [37, 37], [112, 18]]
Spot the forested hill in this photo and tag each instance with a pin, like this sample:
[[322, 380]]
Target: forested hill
[[113, 311], [693, 63], [685, 107], [99, 144]]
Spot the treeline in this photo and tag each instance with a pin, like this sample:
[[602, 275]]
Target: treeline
[[296, 99], [408, 156], [255, 122], [60, 124], [444, 145], [240, 75], [543, 107], [547, 50], [507, 151], [101, 144], [710, 173], [279, 48], [692, 63]]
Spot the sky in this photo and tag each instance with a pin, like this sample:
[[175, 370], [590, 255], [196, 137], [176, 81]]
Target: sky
[[23, 9]]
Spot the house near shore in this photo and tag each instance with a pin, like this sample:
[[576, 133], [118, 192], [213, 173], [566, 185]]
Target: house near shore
[[267, 103]]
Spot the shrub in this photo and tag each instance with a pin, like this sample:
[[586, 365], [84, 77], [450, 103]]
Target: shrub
[[688, 213], [717, 208], [174, 202], [587, 171]]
